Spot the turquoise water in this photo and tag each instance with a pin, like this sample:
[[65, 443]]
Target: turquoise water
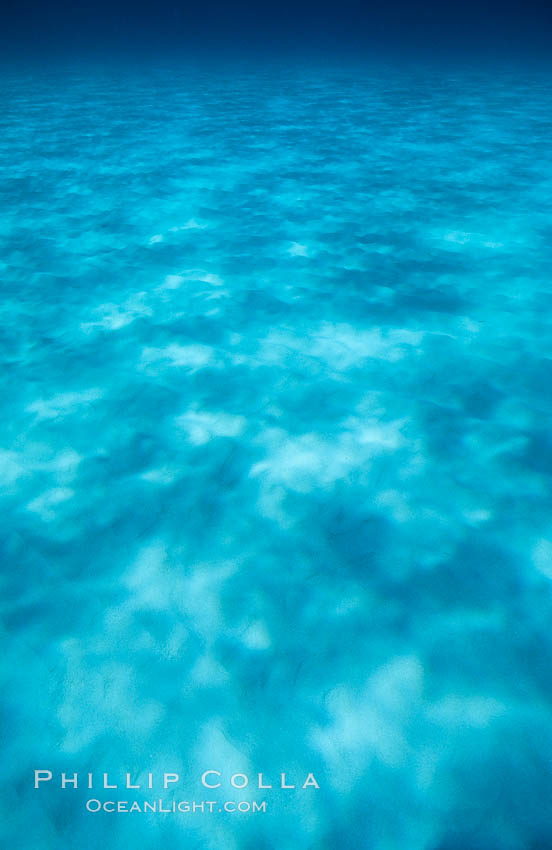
[[276, 453]]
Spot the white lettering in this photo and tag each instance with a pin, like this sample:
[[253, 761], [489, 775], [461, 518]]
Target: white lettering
[[169, 777], [42, 776], [239, 776], [106, 783], [210, 773], [310, 780], [68, 781]]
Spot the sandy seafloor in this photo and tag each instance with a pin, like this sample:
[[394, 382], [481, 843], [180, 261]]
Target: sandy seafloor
[[276, 452]]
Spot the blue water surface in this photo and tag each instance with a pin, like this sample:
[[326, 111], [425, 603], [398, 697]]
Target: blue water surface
[[277, 452]]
